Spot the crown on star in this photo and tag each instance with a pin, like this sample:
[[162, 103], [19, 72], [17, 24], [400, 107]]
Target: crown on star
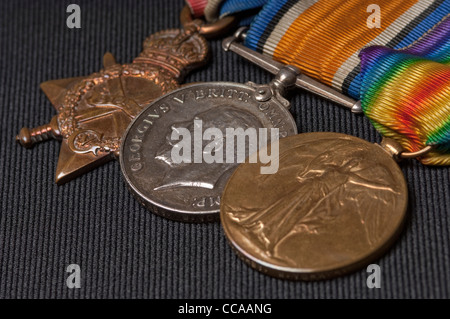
[[174, 50]]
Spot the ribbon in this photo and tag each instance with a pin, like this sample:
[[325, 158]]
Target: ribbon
[[406, 93], [212, 10], [323, 38], [216, 9], [404, 77], [197, 7]]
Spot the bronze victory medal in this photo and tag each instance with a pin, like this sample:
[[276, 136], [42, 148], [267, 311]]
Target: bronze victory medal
[[94, 111], [191, 192], [336, 203]]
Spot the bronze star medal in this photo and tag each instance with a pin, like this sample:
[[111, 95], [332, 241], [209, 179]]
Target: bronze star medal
[[94, 111]]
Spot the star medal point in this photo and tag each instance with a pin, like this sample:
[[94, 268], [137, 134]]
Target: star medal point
[[94, 111]]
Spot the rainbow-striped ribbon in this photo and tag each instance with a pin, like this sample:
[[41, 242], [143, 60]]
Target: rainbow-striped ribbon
[[404, 85], [323, 37], [403, 78], [406, 93]]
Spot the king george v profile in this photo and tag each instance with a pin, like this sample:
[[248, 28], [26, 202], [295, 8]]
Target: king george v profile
[[204, 175]]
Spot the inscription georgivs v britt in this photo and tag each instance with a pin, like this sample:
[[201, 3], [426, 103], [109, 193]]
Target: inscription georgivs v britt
[[191, 192]]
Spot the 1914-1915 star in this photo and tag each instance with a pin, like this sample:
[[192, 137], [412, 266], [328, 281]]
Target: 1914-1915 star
[[95, 111]]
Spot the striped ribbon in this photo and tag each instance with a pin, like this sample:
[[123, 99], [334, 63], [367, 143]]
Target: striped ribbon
[[406, 93], [403, 79], [404, 83], [197, 7], [323, 38], [215, 9]]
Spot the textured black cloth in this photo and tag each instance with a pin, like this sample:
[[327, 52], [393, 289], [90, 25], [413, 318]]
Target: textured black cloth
[[125, 251]]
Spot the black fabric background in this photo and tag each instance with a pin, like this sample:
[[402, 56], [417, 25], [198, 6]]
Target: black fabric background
[[125, 251]]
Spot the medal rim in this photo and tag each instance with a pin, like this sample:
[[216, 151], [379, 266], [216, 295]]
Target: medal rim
[[310, 274]]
